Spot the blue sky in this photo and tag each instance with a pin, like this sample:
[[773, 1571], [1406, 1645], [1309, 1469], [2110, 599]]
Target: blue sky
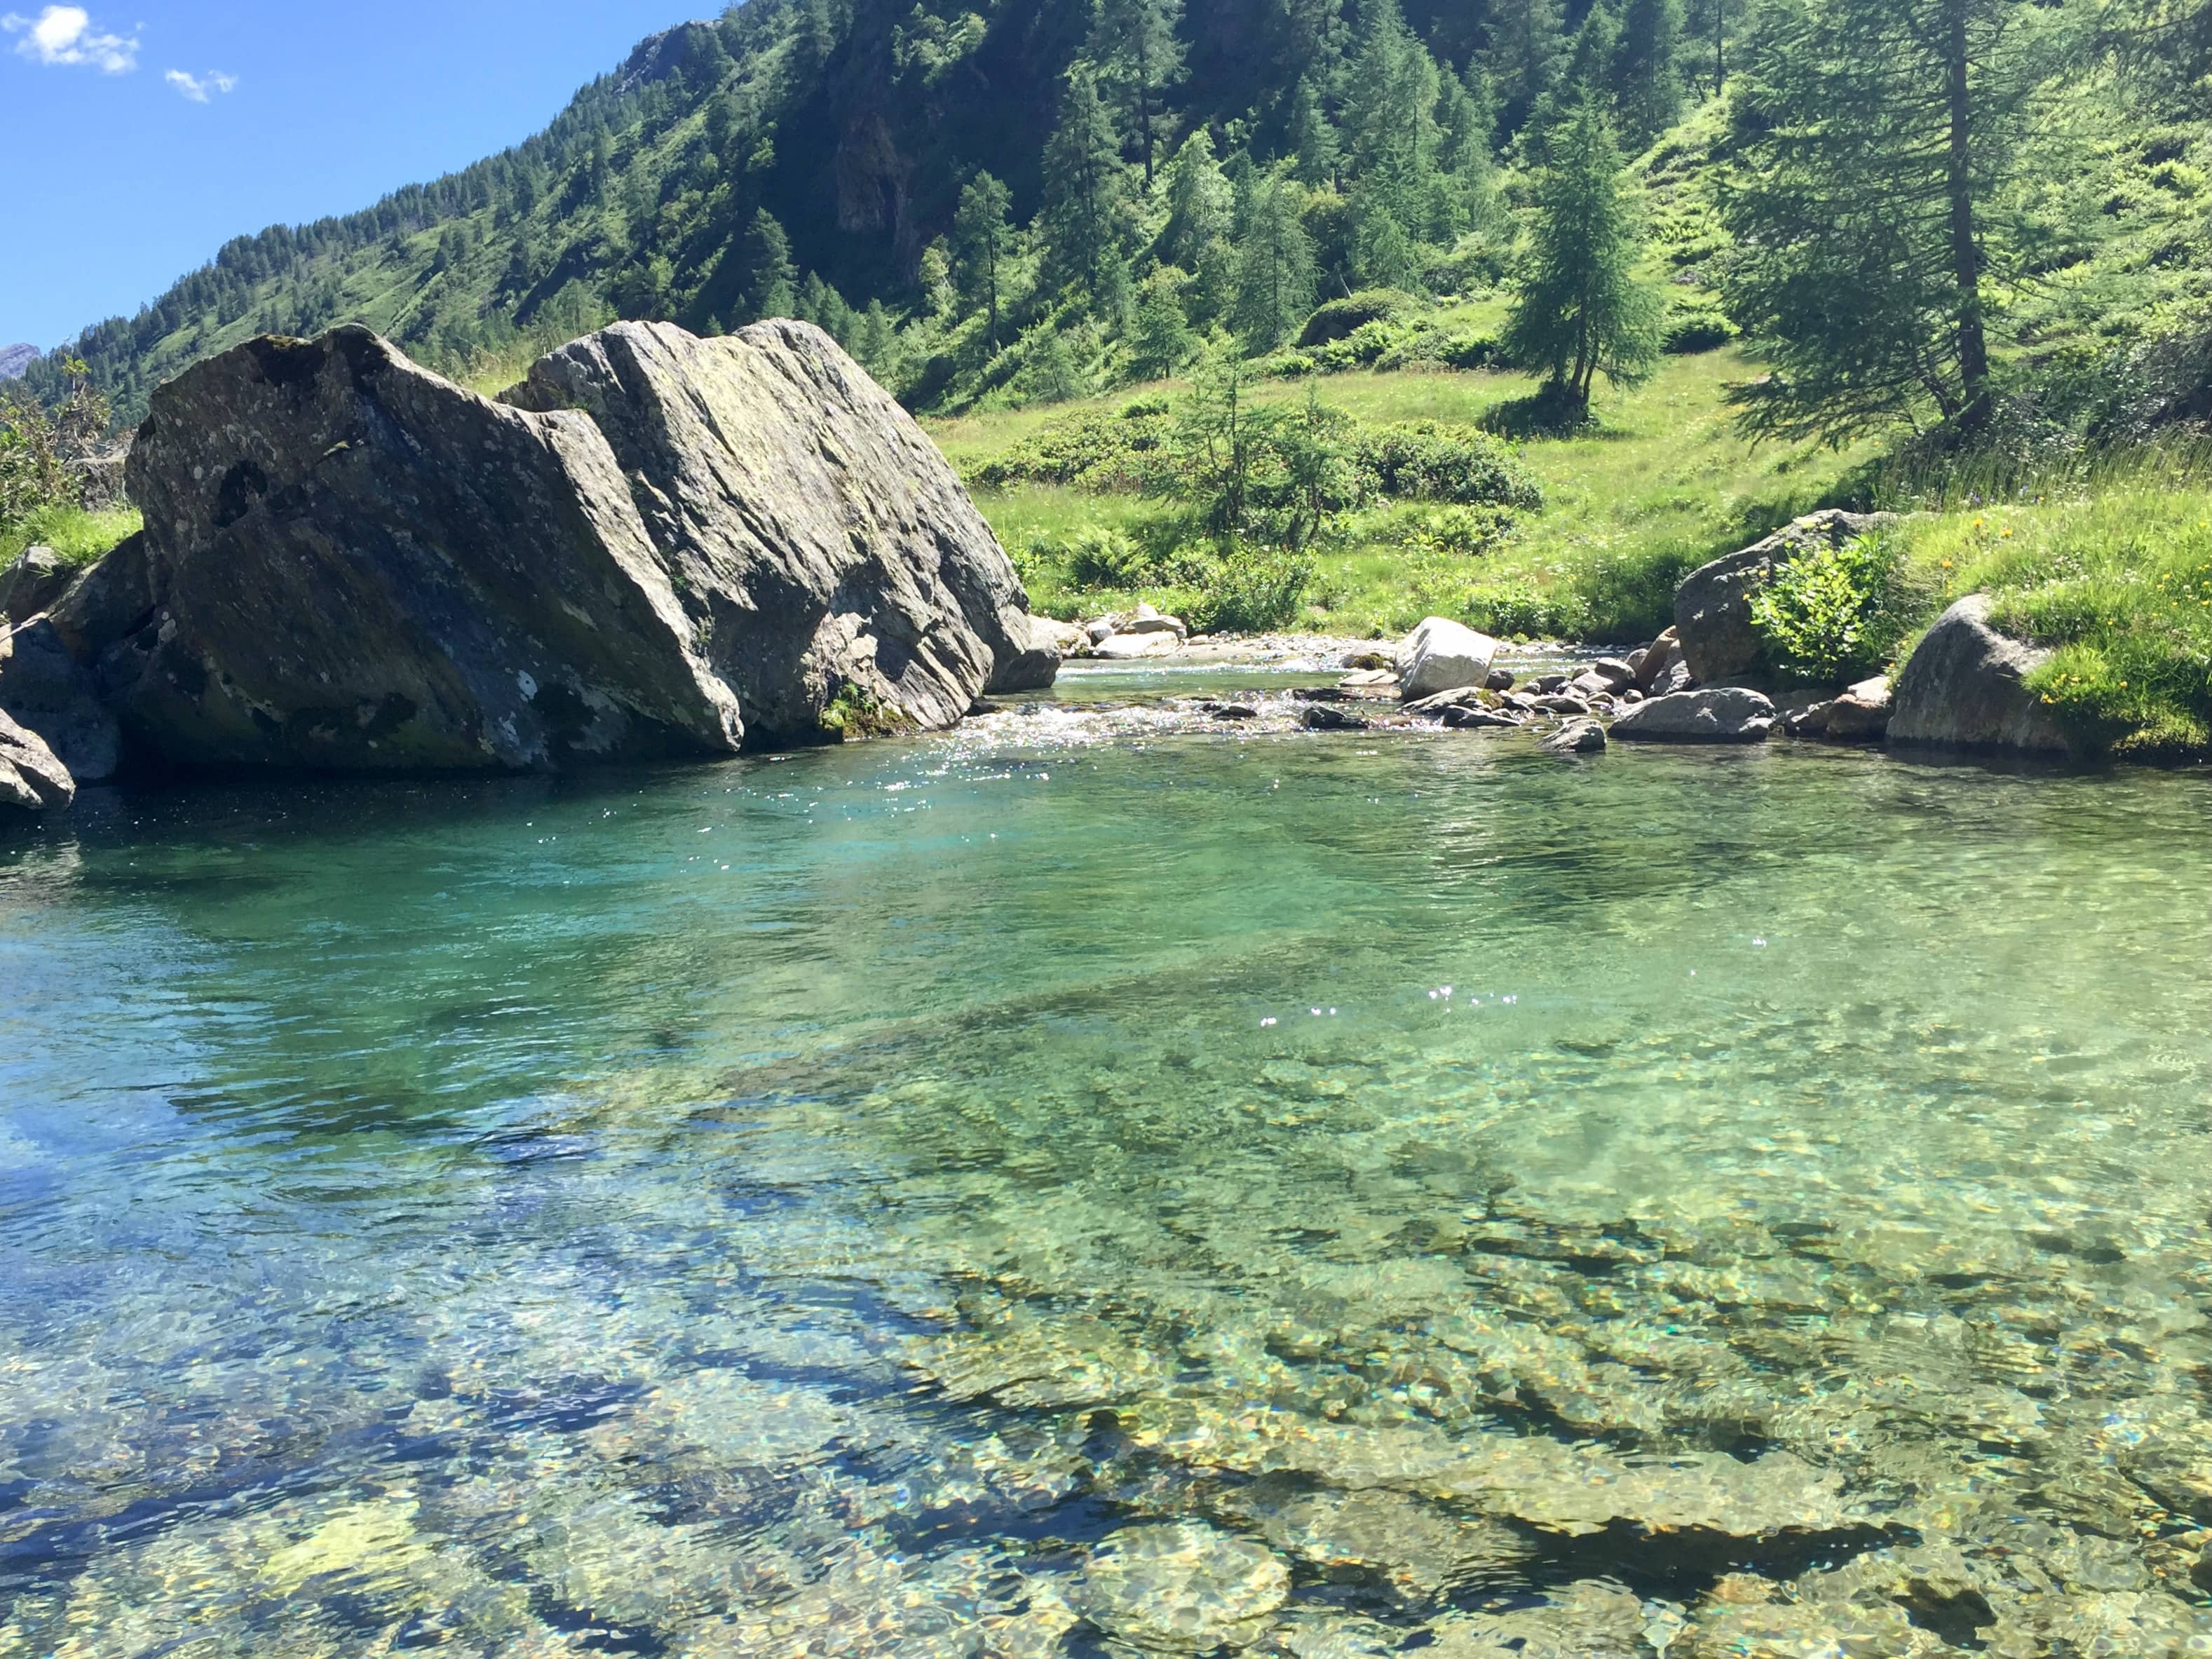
[[145, 133]]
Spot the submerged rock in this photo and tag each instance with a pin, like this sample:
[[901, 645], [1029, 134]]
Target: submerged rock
[[1187, 1587], [660, 546], [31, 778], [1962, 688], [1576, 737], [1723, 715]]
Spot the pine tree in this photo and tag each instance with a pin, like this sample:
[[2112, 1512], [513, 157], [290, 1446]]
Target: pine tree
[[1390, 102], [1083, 198], [1312, 140], [1644, 74], [1876, 133], [1578, 305], [1386, 255], [1197, 203], [1526, 45], [1590, 59], [1134, 43], [1160, 339], [770, 273], [982, 239], [1274, 267], [1467, 179]]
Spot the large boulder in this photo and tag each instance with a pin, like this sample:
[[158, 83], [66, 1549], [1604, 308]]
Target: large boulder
[[1440, 654], [1722, 715], [48, 691], [31, 583], [1712, 607], [1961, 687], [809, 522], [31, 778], [658, 546]]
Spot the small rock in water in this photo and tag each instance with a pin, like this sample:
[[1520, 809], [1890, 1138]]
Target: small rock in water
[[1501, 679], [1462, 719], [1320, 694], [1187, 1587], [1322, 717], [1560, 703], [1234, 711], [1583, 737]]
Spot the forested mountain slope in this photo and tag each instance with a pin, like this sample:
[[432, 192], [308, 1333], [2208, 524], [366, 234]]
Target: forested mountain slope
[[1037, 198]]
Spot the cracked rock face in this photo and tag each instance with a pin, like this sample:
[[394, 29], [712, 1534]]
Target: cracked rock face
[[660, 546]]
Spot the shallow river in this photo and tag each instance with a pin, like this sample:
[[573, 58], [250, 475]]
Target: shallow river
[[1069, 1186]]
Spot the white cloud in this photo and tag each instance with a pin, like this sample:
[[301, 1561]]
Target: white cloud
[[64, 35], [200, 88]]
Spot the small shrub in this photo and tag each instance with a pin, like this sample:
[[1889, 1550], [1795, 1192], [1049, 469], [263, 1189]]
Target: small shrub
[[1463, 533], [1824, 614], [1251, 590], [1287, 366], [1691, 331], [1152, 403], [1468, 351], [1437, 461], [1090, 450], [1340, 317], [1098, 555]]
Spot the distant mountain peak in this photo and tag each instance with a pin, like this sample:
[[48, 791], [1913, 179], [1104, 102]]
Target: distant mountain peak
[[16, 360]]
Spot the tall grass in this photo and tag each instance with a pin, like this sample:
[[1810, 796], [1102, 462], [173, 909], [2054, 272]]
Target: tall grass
[[78, 535]]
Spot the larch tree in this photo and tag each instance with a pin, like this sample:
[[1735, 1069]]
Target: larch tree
[[1525, 44], [1135, 45], [1083, 192], [1882, 142], [1390, 90], [1311, 141], [1578, 306], [770, 276], [1274, 265], [982, 238], [1645, 72]]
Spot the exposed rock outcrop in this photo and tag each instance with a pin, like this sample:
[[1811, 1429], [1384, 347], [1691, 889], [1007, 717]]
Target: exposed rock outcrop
[[1722, 715], [1962, 688], [1712, 607], [678, 545], [31, 778]]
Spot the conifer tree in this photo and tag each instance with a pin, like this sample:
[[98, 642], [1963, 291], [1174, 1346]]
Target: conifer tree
[[1390, 102], [1312, 140], [1589, 60], [1646, 74], [1198, 202], [770, 274], [1578, 304], [1466, 176], [1877, 133], [1274, 266], [1524, 51], [1139, 56], [1160, 339], [981, 238], [1083, 198]]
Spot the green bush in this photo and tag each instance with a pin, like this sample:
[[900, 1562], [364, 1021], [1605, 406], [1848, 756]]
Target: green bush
[[1691, 332], [1437, 461], [1829, 613], [1251, 590], [1098, 555], [1091, 451], [1456, 531], [1468, 351], [1340, 317]]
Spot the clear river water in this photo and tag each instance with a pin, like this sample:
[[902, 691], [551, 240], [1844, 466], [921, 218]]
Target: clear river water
[[1075, 1185]]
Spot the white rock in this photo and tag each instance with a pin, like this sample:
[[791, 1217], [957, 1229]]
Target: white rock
[[1440, 654], [1132, 645]]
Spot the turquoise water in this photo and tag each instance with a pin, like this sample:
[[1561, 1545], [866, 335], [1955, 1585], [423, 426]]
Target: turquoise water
[[1069, 1183]]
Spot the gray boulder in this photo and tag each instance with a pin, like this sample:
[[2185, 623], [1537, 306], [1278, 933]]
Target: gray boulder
[[658, 545], [31, 778], [1722, 715], [1962, 688], [1712, 607], [1440, 654], [1576, 737], [1656, 658], [48, 691], [32, 583], [808, 519]]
